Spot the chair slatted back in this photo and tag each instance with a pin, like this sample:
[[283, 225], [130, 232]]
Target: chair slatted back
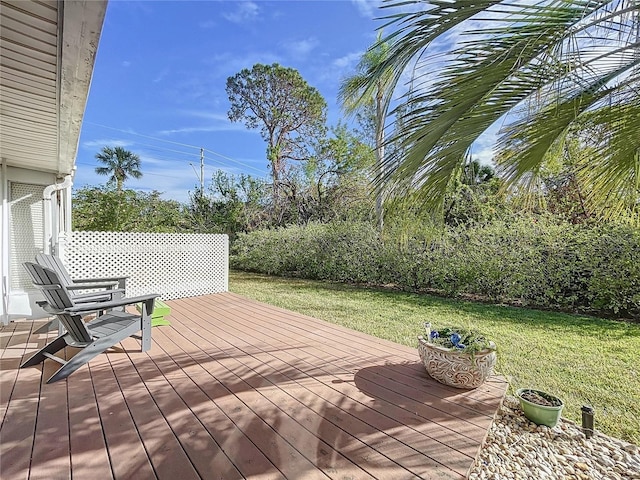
[[54, 263], [58, 297]]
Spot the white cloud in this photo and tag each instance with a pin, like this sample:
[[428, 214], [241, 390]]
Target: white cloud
[[226, 64], [126, 63], [483, 148], [301, 48], [367, 8], [348, 61], [246, 11], [213, 122], [203, 128], [339, 68], [207, 24], [106, 142], [483, 155], [221, 117], [147, 158], [161, 75]]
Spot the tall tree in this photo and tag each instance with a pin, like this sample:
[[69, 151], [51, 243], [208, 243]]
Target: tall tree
[[540, 66], [288, 111], [359, 96], [120, 164], [338, 176]]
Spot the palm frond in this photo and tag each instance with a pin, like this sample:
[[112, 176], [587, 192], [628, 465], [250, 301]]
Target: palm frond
[[544, 63], [614, 174]]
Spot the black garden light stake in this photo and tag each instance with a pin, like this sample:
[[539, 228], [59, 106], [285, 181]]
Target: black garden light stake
[[587, 421]]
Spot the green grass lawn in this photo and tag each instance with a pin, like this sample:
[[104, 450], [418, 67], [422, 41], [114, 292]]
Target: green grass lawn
[[581, 359]]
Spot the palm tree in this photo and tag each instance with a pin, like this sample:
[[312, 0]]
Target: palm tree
[[357, 95], [120, 164], [540, 68]]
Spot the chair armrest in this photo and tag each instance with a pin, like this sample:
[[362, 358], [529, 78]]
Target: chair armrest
[[94, 296], [103, 279], [43, 304], [89, 286], [120, 302]]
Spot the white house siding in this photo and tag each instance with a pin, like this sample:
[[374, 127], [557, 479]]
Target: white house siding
[[48, 51]]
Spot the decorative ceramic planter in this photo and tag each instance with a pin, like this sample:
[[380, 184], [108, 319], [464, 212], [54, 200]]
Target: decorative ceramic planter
[[540, 414], [455, 368]]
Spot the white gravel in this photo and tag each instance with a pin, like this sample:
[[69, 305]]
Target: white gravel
[[521, 450]]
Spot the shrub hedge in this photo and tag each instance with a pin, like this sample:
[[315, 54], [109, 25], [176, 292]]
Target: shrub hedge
[[530, 261]]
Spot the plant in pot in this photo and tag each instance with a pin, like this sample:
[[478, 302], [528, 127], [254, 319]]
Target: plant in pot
[[457, 356], [540, 407]]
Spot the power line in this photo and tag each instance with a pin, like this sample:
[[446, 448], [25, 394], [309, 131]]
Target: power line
[[129, 132], [216, 165], [157, 147], [141, 135], [237, 161], [212, 167], [144, 173]]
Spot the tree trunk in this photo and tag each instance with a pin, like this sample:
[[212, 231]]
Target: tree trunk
[[379, 156]]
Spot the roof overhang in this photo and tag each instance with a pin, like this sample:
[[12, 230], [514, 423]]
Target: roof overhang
[[48, 50]]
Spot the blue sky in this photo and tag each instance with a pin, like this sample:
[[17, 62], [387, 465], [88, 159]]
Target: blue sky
[[158, 87]]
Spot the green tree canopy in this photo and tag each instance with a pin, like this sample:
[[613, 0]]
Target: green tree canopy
[[119, 165], [539, 67], [231, 204], [104, 209], [287, 110], [338, 177]]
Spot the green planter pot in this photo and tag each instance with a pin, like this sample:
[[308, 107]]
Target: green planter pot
[[540, 414]]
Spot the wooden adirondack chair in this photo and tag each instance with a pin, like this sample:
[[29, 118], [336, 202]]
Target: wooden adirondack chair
[[93, 337]]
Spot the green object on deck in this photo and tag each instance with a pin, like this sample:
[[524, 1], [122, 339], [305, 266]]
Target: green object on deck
[[157, 321], [160, 310]]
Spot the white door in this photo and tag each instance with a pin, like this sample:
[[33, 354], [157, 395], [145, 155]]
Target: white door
[[26, 239]]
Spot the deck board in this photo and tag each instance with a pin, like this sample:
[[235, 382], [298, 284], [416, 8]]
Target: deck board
[[232, 389], [87, 443]]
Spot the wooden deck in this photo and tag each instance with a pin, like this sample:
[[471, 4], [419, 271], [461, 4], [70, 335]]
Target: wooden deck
[[238, 389]]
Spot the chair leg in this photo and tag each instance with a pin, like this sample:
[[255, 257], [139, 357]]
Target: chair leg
[[51, 348], [146, 333], [79, 359]]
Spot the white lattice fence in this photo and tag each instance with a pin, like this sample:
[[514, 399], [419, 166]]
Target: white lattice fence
[[174, 265]]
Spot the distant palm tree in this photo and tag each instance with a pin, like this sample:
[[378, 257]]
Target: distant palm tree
[[474, 173], [120, 164], [543, 68], [356, 94]]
